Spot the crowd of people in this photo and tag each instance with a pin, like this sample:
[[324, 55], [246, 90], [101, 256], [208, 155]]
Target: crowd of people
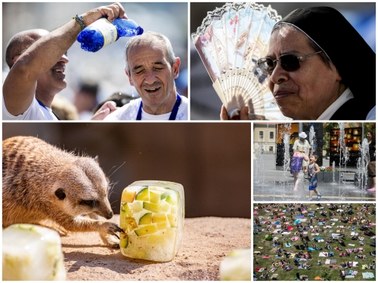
[[314, 241]]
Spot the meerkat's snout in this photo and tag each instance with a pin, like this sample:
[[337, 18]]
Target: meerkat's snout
[[99, 207], [105, 209], [109, 215]]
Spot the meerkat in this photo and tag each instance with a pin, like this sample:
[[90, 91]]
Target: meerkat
[[42, 182]]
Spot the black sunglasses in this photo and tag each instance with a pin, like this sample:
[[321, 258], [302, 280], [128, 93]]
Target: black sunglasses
[[289, 62]]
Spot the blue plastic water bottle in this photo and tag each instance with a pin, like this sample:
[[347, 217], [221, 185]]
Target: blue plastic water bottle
[[102, 32]]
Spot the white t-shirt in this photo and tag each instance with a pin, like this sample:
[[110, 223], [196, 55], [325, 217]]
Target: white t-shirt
[[35, 111], [130, 112]]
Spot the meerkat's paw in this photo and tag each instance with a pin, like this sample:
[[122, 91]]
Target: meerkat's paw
[[108, 234]]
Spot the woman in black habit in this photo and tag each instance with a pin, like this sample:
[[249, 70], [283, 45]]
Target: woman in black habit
[[320, 68]]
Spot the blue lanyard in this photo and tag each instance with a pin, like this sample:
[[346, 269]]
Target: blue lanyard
[[44, 106], [173, 113], [41, 103]]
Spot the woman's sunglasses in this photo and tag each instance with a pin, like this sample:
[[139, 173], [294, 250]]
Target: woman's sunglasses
[[289, 62]]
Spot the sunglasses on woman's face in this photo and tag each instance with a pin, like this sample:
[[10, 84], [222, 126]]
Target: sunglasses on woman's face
[[289, 62]]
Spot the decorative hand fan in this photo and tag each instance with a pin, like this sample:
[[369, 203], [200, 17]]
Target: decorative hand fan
[[230, 41]]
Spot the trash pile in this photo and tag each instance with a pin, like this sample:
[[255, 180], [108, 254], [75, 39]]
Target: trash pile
[[311, 241]]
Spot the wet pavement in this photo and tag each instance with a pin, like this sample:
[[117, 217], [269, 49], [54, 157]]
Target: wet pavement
[[275, 184]]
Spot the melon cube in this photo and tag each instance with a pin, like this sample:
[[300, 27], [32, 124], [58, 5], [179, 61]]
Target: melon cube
[[146, 229], [143, 194], [155, 196], [128, 196], [154, 207], [159, 217], [128, 223], [145, 219]]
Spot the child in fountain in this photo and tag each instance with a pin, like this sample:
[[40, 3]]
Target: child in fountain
[[313, 170]]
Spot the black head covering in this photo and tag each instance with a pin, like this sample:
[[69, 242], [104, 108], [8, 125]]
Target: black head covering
[[348, 51]]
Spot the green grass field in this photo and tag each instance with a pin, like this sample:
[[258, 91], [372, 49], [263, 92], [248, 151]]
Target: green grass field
[[273, 220]]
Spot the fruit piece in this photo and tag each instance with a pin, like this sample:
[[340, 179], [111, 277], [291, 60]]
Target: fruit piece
[[128, 196], [155, 196], [144, 194], [123, 241], [147, 229], [128, 224], [172, 198], [146, 219], [172, 220], [162, 225], [158, 217], [155, 207], [125, 208], [136, 206]]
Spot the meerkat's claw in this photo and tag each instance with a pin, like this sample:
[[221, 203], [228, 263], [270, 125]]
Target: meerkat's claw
[[114, 246], [109, 234], [120, 229], [113, 229]]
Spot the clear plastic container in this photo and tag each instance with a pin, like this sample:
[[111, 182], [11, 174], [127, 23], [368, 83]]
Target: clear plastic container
[[152, 216]]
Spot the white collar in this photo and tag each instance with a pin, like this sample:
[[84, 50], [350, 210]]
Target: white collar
[[344, 97]]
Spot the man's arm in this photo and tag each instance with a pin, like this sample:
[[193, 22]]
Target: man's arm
[[20, 85]]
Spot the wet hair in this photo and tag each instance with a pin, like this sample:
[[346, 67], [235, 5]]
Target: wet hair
[[152, 39]]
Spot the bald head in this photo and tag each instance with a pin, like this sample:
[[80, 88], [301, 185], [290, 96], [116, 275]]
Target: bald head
[[20, 42]]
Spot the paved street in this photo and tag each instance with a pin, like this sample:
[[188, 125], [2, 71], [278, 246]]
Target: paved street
[[274, 184]]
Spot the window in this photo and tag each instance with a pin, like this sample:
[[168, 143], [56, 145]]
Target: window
[[271, 135], [261, 134]]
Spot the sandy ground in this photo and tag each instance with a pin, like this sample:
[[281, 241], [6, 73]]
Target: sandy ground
[[206, 241]]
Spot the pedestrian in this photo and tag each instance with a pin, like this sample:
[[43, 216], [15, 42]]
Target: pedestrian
[[313, 170], [301, 150]]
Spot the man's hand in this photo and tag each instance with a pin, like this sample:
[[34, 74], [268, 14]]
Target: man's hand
[[107, 108], [110, 12]]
